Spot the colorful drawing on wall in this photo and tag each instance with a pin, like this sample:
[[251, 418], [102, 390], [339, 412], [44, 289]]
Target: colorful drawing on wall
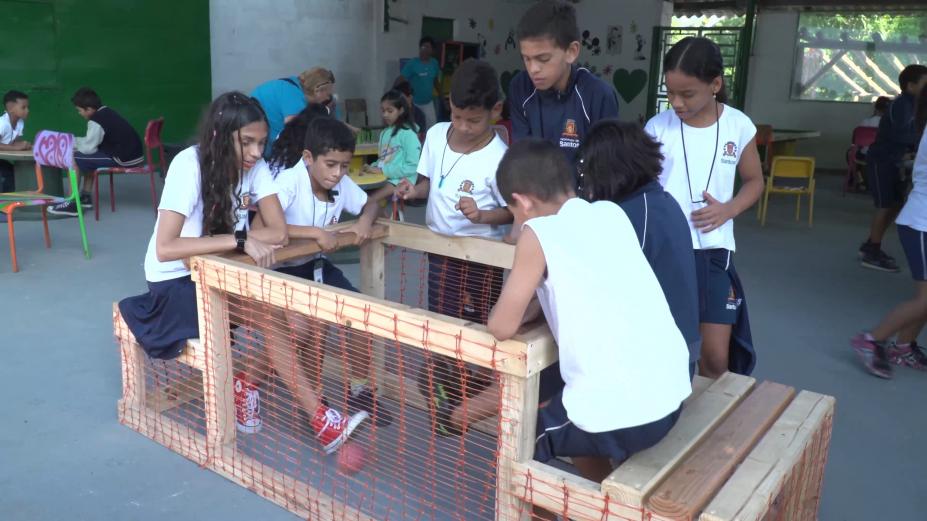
[[629, 83], [498, 49], [472, 23], [607, 70], [510, 40], [633, 26], [491, 24], [614, 40], [639, 52], [591, 43]]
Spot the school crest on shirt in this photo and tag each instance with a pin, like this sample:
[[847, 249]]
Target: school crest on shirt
[[729, 153], [465, 188], [732, 301], [569, 138]]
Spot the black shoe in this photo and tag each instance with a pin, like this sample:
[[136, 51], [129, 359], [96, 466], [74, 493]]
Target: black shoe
[[367, 401], [441, 388], [879, 260], [86, 201], [68, 208]]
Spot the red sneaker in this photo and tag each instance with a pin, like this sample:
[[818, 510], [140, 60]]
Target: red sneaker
[[332, 429], [247, 404], [910, 355]]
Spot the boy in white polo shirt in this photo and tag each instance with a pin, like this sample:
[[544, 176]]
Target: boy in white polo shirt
[[457, 173], [623, 361], [12, 122], [313, 194]]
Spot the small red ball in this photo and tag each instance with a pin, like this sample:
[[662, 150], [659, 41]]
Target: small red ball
[[351, 458]]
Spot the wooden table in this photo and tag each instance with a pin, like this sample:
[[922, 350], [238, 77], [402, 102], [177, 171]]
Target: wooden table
[[24, 172], [362, 154], [784, 140]]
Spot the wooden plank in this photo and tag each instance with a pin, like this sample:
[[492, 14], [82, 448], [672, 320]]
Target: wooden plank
[[176, 393], [193, 355], [177, 437], [692, 484], [298, 248], [518, 420], [133, 363], [288, 493], [558, 491], [219, 396], [756, 485], [373, 268], [475, 249], [643, 472], [437, 333], [540, 347]]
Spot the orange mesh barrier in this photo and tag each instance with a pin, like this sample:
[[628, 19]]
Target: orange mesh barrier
[[249, 399]]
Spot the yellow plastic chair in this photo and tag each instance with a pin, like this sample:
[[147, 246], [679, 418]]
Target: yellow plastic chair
[[790, 167]]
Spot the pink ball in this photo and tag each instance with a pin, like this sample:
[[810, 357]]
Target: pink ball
[[351, 458]]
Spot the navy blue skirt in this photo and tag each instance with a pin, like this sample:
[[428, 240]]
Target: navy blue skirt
[[163, 319]]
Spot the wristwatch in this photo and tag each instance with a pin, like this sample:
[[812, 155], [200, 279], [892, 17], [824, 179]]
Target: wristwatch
[[240, 237]]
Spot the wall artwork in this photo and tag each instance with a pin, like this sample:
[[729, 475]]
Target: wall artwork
[[629, 84], [510, 40], [639, 51], [613, 40], [591, 43]]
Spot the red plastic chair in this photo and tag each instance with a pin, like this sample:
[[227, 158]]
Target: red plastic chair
[[862, 137], [152, 141]]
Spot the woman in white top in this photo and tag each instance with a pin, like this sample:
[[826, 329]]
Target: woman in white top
[[705, 143], [907, 319]]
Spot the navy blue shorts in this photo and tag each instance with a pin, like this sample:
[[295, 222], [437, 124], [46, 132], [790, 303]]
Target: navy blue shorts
[[915, 249], [557, 436], [717, 301], [462, 289], [163, 319], [87, 163], [331, 275], [885, 183], [7, 173]]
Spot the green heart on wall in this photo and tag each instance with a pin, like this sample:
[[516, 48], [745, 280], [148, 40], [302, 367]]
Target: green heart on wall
[[505, 79], [629, 83]]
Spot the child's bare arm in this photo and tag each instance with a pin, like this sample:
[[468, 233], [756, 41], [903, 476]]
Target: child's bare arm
[[519, 289], [496, 216]]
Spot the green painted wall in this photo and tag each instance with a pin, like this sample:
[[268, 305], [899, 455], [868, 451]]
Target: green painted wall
[[145, 58]]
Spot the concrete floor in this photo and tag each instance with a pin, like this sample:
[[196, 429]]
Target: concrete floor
[[64, 455]]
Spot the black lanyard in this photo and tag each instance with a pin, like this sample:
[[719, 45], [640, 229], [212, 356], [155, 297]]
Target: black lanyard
[[714, 155]]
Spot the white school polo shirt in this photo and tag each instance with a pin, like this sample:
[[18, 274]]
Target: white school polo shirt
[[733, 133], [456, 175], [622, 358], [914, 213], [8, 133], [182, 194]]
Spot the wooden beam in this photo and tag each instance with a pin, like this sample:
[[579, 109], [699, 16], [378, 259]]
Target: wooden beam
[[686, 491], [299, 248], [431, 331], [633, 481], [517, 423], [559, 491], [474, 249], [175, 392], [219, 396], [779, 459]]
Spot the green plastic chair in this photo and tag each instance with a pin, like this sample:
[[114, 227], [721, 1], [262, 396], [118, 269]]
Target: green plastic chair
[[51, 149]]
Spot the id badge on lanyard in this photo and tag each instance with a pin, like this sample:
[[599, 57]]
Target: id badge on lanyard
[[241, 212]]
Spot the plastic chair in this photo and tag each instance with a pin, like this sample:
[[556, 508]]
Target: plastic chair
[[51, 149], [790, 167], [152, 141], [862, 137]]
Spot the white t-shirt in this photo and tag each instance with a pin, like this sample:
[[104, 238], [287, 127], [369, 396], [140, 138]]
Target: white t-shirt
[[914, 213], [733, 132], [302, 208], [182, 194], [622, 358], [460, 175], [871, 121], [7, 133]]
